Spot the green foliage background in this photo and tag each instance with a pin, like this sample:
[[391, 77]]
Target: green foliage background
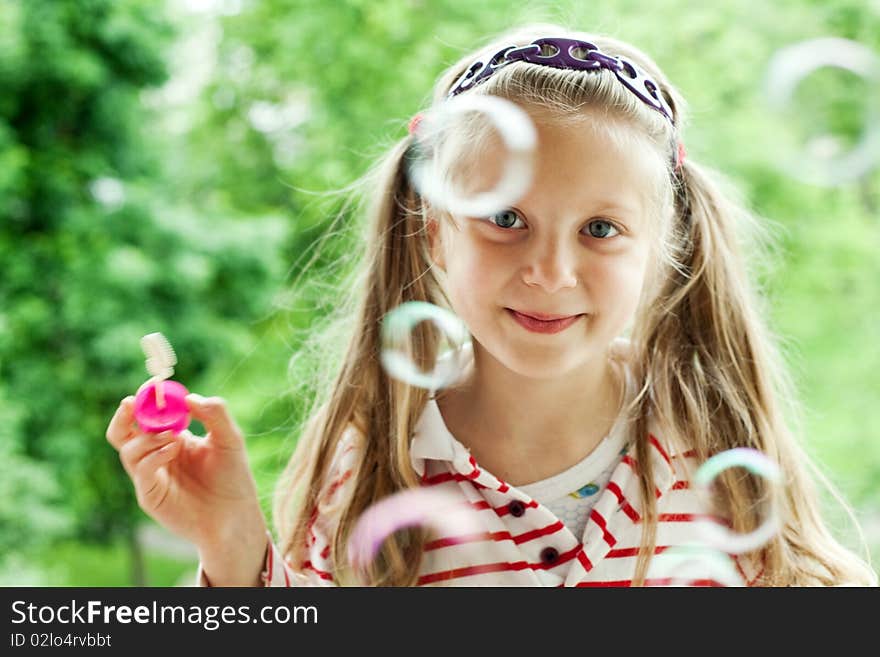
[[166, 169]]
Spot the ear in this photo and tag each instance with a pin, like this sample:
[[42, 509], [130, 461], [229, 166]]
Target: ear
[[435, 241]]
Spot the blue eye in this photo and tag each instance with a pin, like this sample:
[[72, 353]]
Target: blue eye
[[505, 218], [604, 227]]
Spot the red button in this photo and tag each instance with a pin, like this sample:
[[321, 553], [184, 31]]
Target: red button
[[516, 508], [549, 555]]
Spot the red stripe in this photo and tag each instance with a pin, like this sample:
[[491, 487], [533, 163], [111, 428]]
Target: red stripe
[[494, 536], [624, 504], [321, 573], [743, 573], [325, 552], [444, 575], [619, 582], [663, 581], [443, 477], [739, 568], [632, 552], [659, 447], [760, 572], [336, 484], [678, 517], [681, 485], [502, 510], [537, 533], [585, 562], [467, 538], [687, 517], [503, 566], [599, 520]]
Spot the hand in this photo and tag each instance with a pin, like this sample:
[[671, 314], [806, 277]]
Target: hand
[[200, 488]]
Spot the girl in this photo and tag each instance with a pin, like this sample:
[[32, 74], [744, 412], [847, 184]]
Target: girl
[[573, 443]]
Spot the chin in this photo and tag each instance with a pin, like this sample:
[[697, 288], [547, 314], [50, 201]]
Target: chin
[[541, 366]]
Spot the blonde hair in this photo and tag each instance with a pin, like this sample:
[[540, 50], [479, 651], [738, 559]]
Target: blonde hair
[[708, 368]]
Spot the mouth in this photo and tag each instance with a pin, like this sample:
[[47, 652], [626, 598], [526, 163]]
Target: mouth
[[542, 322]]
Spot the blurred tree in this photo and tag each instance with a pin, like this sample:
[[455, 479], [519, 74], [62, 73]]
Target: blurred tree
[[94, 258]]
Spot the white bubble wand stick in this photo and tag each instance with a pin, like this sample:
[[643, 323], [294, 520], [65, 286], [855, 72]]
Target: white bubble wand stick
[[161, 360]]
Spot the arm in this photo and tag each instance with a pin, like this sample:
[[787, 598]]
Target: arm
[[261, 563], [240, 567]]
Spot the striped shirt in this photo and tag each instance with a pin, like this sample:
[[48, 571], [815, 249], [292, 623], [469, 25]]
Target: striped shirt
[[523, 542]]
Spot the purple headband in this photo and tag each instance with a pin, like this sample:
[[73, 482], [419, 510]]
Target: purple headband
[[570, 54]]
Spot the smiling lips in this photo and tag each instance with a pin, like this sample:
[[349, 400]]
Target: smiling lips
[[541, 323]]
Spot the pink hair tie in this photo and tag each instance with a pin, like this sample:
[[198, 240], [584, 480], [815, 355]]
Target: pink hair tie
[[682, 153], [414, 123]]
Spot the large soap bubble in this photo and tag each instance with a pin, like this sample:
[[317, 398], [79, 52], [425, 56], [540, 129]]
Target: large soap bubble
[[398, 345], [443, 511], [717, 535], [473, 166], [814, 89], [693, 565]]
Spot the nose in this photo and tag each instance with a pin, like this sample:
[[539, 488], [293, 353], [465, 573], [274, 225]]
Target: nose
[[551, 267]]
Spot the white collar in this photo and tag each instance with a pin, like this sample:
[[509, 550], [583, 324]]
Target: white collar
[[433, 440]]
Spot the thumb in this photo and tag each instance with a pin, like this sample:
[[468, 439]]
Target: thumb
[[213, 413]]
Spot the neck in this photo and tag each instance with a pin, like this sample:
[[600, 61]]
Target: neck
[[523, 429]]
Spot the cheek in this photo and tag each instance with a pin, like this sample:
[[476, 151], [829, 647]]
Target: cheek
[[474, 276], [618, 283]]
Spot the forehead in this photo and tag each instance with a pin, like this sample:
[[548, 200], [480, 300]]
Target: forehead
[[589, 164]]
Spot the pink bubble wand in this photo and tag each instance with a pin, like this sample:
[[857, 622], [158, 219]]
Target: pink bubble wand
[[160, 404]]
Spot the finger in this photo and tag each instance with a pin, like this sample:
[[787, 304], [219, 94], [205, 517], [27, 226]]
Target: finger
[[122, 424], [213, 413], [151, 478], [133, 450]]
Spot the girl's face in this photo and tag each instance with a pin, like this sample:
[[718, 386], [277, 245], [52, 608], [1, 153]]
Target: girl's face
[[575, 246]]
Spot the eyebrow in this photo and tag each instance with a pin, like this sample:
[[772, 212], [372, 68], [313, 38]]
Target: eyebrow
[[612, 205]]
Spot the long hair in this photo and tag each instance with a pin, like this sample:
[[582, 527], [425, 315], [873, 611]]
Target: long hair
[[708, 368]]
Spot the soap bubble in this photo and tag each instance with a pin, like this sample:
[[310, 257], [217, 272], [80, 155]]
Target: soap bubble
[[812, 89], [714, 533], [399, 339], [444, 511], [693, 565], [454, 165]]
